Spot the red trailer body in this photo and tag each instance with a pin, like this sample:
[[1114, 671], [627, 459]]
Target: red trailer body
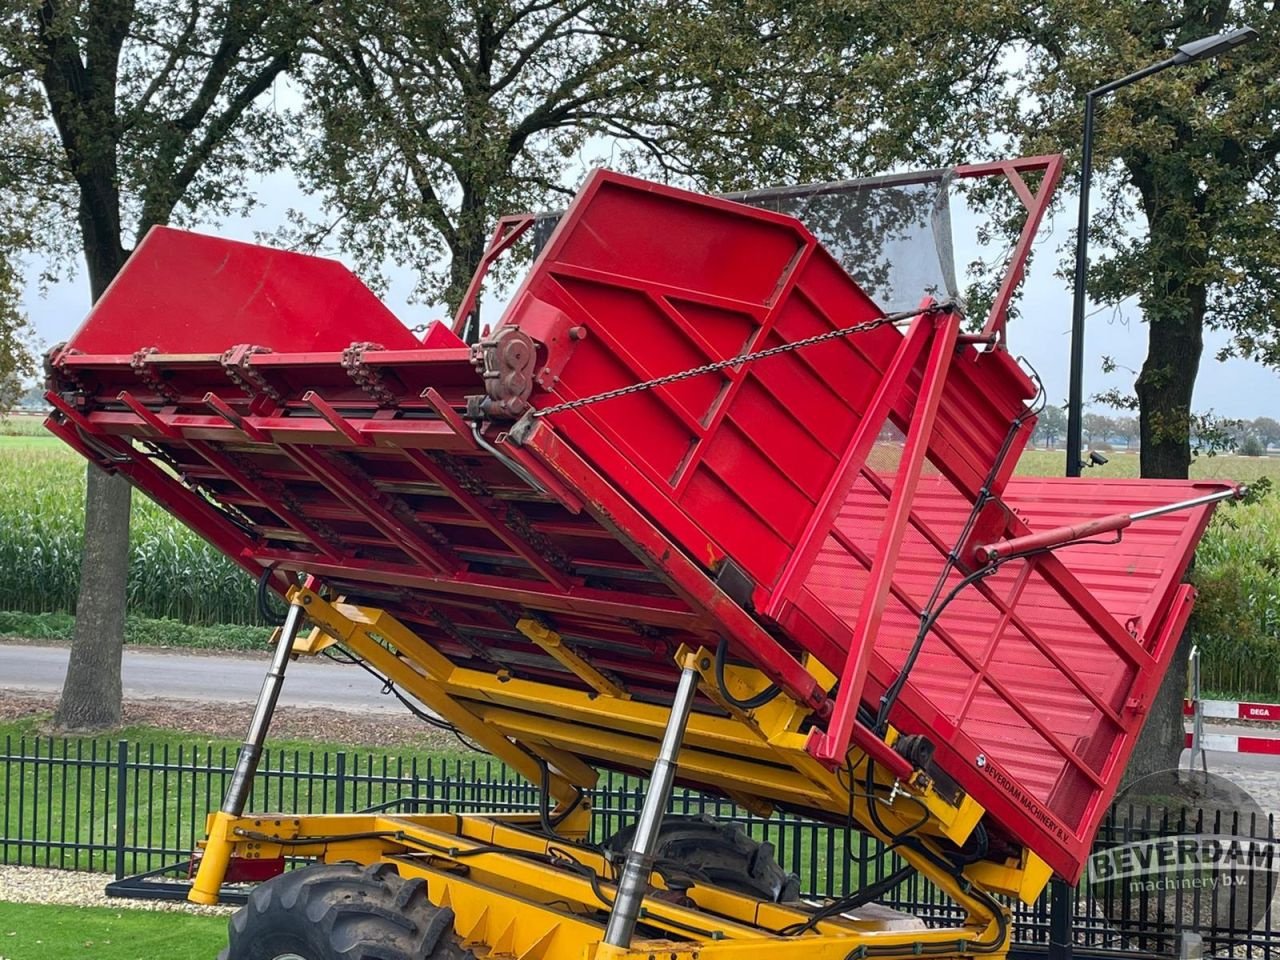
[[269, 401]]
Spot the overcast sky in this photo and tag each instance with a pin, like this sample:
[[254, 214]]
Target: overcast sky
[[1234, 388]]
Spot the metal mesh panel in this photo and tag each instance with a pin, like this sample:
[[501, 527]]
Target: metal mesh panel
[[891, 234]]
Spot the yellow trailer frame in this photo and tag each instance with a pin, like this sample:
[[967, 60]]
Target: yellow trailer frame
[[517, 893]]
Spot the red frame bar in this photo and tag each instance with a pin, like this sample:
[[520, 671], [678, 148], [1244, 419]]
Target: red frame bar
[[831, 747], [508, 230], [790, 582], [366, 499], [1037, 204], [617, 513]]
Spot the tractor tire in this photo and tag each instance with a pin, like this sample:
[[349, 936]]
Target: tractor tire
[[722, 853], [343, 911]]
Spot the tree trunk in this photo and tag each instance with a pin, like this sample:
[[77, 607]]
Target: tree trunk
[[1163, 736], [1175, 342], [467, 250], [1164, 394], [91, 692]]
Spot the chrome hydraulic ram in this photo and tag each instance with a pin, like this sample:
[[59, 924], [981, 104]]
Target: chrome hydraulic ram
[[217, 853], [1059, 536], [638, 868]]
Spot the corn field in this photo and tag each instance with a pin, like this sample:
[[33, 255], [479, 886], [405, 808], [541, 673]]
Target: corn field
[[175, 575], [172, 572]]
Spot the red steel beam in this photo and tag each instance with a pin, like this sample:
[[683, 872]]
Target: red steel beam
[[231, 471], [481, 511], [586, 601], [617, 513], [830, 747], [790, 581], [365, 498]]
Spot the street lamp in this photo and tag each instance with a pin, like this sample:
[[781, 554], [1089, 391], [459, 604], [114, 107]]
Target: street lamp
[[1196, 50]]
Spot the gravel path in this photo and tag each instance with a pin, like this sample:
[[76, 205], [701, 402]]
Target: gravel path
[[39, 885]]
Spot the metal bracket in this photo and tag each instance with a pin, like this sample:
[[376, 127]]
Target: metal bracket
[[506, 361], [236, 364], [147, 374]]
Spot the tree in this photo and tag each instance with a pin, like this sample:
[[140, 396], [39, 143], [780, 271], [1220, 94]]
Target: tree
[[1267, 430], [1128, 429], [1050, 425], [1098, 428], [16, 363], [1188, 181], [436, 117], [124, 114], [1186, 201]]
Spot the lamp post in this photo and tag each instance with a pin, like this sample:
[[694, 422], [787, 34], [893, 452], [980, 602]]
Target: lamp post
[[1196, 50]]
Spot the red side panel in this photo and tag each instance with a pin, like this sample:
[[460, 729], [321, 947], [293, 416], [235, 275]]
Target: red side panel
[[189, 293], [747, 453], [1033, 709]]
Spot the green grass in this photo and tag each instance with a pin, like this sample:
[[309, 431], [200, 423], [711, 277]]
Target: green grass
[[68, 792], [49, 799], [1053, 463], [23, 425], [43, 932], [138, 631], [65, 791]]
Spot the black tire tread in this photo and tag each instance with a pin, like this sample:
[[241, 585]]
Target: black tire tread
[[720, 852], [343, 911]]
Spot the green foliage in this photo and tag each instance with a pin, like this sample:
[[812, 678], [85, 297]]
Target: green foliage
[[173, 573], [16, 360], [433, 118], [24, 425], [139, 631], [1186, 178], [135, 113], [1251, 446], [47, 932], [1236, 620]]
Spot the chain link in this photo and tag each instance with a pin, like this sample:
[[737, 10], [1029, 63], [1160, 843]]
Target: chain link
[[745, 358]]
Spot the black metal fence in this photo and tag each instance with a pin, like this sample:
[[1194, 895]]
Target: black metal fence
[[126, 809]]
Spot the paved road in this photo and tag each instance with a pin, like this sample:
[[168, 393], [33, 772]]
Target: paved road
[[174, 676]]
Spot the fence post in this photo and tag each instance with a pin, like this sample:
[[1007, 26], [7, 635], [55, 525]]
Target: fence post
[[1060, 909], [1197, 714], [340, 774], [122, 801]]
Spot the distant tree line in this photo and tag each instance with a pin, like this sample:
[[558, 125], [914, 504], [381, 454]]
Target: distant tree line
[[1246, 437]]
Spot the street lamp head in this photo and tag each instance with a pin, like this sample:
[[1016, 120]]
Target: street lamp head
[[1215, 46]]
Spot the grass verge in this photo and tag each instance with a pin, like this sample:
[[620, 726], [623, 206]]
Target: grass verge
[[41, 932], [138, 631]]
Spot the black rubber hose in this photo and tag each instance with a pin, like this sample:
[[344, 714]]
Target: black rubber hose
[[757, 700], [269, 616]]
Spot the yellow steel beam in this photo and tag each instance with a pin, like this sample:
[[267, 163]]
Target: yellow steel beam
[[553, 644], [368, 632], [433, 695], [754, 756]]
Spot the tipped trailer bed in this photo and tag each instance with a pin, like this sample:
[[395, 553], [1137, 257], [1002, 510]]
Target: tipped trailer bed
[[697, 508]]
